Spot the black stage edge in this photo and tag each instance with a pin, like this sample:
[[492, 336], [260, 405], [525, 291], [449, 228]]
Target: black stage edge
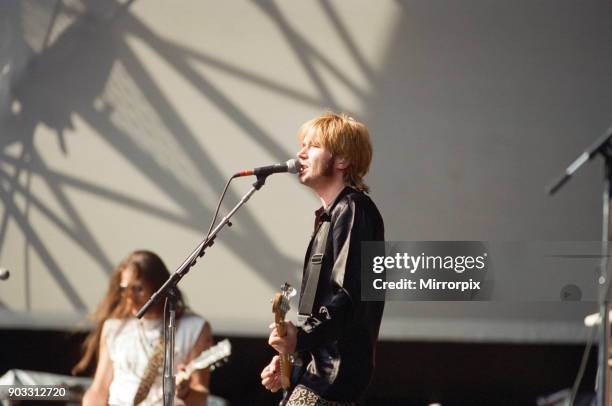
[[407, 373]]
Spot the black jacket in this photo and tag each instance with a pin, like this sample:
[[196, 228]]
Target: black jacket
[[337, 342]]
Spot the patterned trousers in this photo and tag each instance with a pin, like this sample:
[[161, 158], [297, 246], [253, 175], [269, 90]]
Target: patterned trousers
[[302, 396]]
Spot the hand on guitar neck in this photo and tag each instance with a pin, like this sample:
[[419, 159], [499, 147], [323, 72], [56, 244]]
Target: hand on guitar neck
[[283, 338], [277, 374]]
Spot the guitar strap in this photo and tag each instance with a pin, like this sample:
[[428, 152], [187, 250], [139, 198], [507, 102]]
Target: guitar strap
[[151, 372], [313, 272]]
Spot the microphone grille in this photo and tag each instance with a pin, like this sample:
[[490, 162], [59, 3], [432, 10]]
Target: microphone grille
[[293, 166]]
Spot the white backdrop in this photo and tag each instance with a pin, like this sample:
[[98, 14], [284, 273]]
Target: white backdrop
[[122, 121]]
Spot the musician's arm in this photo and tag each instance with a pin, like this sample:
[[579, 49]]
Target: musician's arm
[[97, 394], [200, 379]]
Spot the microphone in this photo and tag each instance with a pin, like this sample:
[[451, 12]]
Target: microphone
[[4, 274], [291, 166]]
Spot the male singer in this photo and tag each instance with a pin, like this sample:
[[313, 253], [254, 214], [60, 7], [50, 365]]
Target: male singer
[[336, 341]]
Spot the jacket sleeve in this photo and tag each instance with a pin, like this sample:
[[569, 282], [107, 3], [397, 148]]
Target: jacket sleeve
[[331, 320]]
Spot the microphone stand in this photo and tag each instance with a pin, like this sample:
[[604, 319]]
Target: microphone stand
[[601, 146], [168, 290]]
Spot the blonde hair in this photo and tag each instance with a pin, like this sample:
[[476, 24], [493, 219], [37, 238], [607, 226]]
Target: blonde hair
[[343, 137]]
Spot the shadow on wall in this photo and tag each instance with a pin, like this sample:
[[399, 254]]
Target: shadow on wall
[[446, 103], [86, 69]]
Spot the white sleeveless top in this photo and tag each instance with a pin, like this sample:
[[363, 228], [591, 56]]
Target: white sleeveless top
[[131, 343]]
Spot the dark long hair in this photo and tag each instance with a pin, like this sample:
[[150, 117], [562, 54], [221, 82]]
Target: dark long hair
[[150, 269]]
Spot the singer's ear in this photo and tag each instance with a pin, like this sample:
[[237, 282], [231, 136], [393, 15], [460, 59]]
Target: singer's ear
[[341, 163]]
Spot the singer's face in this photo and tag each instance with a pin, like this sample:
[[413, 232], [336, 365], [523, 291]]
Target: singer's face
[[317, 163], [134, 291]]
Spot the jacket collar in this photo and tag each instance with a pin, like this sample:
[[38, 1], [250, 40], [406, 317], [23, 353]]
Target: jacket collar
[[323, 214]]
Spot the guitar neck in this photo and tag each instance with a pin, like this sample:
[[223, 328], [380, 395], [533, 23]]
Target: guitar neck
[[207, 358], [280, 307], [280, 327], [285, 359]]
